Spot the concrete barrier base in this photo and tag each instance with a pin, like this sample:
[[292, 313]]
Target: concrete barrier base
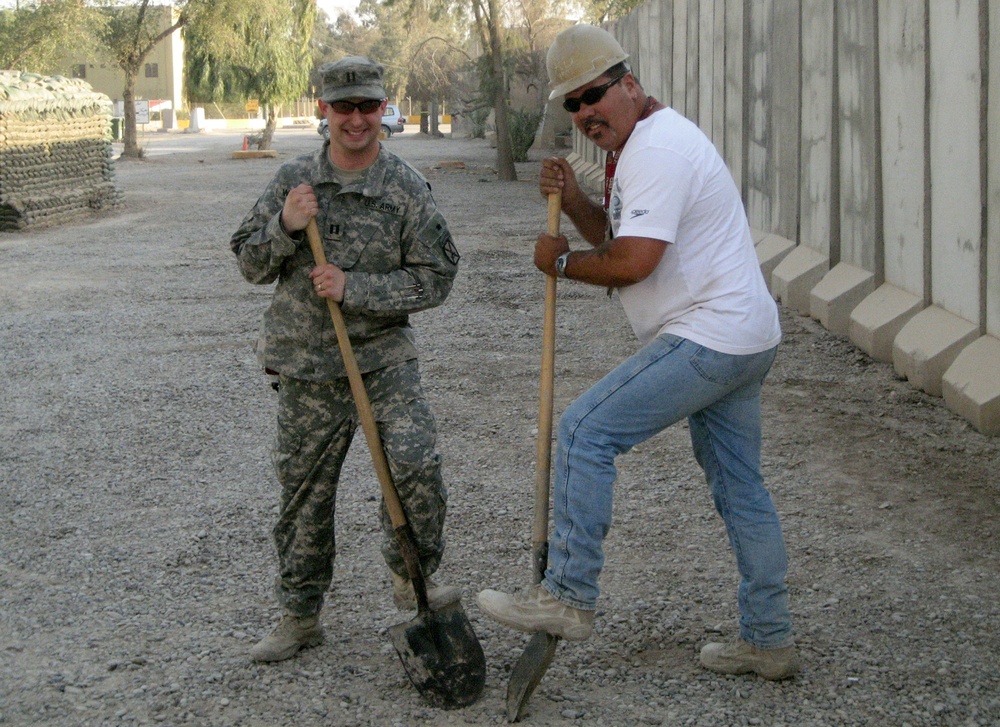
[[589, 175], [837, 294], [928, 345], [796, 275], [971, 385], [879, 318], [771, 250]]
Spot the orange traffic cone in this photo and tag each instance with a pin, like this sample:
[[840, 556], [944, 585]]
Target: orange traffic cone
[[246, 145]]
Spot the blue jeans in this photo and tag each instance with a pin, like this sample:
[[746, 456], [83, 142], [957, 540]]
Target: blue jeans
[[667, 380]]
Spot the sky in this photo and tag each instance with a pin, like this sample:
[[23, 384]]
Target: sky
[[333, 8]]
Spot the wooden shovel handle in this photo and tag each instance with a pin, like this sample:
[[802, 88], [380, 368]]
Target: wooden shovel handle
[[543, 460], [361, 400]]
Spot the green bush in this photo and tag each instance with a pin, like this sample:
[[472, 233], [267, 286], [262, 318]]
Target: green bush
[[477, 122], [523, 127]]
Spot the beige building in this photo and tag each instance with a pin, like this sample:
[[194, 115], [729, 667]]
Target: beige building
[[160, 80]]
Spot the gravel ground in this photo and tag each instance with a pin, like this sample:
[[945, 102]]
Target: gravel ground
[[137, 498]]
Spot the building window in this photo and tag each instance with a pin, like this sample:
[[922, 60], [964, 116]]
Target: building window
[[152, 70], [79, 70]]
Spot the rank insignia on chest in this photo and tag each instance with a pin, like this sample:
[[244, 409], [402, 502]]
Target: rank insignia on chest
[[334, 231]]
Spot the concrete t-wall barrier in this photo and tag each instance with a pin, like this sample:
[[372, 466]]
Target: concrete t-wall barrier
[[864, 136]]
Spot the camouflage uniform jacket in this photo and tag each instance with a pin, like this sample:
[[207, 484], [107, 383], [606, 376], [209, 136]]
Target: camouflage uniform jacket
[[383, 229]]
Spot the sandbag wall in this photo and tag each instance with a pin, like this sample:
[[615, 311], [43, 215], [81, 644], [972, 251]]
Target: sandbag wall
[[55, 150]]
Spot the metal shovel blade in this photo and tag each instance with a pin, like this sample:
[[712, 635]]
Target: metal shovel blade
[[442, 656], [528, 672]]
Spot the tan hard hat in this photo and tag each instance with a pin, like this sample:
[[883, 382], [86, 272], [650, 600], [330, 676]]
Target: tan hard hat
[[578, 55]]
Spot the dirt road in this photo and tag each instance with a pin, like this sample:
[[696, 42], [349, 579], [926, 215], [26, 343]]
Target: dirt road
[[137, 498]]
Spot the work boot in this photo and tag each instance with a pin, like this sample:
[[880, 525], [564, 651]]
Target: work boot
[[538, 611], [291, 634], [437, 596], [741, 657]]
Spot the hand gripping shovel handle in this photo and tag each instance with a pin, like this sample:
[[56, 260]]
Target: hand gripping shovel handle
[[389, 493]]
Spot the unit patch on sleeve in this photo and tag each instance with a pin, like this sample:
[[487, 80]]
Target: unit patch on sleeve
[[450, 251]]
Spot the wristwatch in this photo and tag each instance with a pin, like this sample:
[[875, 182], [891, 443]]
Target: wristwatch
[[561, 265]]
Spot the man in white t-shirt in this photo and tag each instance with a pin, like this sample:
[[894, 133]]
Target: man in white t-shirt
[[673, 238]]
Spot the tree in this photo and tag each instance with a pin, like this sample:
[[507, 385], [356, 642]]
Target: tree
[[433, 39], [388, 26], [436, 64], [488, 20], [421, 50], [257, 50], [513, 35], [598, 12], [33, 37], [126, 30], [128, 33], [333, 40]]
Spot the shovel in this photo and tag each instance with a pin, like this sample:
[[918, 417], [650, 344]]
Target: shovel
[[439, 650], [538, 654]]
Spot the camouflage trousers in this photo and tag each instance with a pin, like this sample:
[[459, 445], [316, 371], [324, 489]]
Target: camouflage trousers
[[316, 423]]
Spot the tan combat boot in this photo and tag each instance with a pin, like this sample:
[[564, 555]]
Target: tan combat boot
[[291, 634], [537, 611], [437, 596], [741, 657]]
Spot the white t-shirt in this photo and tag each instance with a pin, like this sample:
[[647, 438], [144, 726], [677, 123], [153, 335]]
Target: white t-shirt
[[672, 185]]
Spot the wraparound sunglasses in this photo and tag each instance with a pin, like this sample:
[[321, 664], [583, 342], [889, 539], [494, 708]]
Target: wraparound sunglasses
[[346, 108], [590, 96]]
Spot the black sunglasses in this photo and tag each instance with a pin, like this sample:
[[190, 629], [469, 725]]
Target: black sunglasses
[[346, 108], [591, 96]]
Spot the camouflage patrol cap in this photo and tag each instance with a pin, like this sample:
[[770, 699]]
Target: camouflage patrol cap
[[354, 76]]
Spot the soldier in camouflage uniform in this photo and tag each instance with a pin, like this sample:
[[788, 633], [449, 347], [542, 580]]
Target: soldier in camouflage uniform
[[390, 254]]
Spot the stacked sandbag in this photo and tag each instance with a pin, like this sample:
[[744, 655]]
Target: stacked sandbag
[[55, 150]]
